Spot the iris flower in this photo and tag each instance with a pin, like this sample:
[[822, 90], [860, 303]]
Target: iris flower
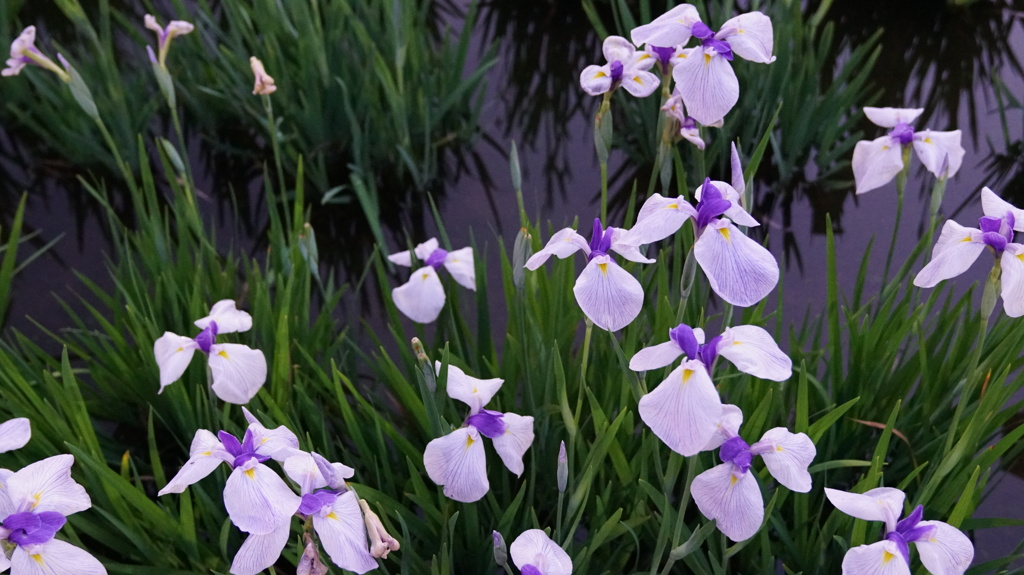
[[877, 162], [164, 36], [534, 553], [422, 297], [626, 67], [943, 548], [685, 409], [458, 461], [14, 434], [24, 52], [688, 130]]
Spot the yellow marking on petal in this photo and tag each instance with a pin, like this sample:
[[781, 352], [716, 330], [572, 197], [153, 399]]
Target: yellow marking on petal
[[887, 557], [600, 74], [425, 276], [455, 261], [884, 148], [251, 473], [37, 558], [687, 374], [469, 441], [180, 349], [206, 453], [1020, 256], [741, 31], [736, 342], [724, 232], [672, 206], [965, 240], [928, 140], [644, 56], [223, 354], [732, 480], [638, 80], [778, 448], [35, 498], [707, 59], [604, 268]]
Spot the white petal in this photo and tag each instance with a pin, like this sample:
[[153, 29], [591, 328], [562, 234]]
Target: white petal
[[6, 505], [534, 547], [655, 356], [1013, 280], [882, 558], [879, 504], [737, 171], [206, 453], [229, 319], [640, 83], [596, 80], [608, 295], [279, 443], [732, 498], [728, 427], [997, 207], [735, 212], [517, 439], [458, 462], [699, 334], [343, 535], [947, 551], [876, 163], [562, 245], [934, 147], [952, 255], [302, 469], [740, 270], [659, 218], [238, 371], [753, 350], [422, 297], [257, 499], [55, 557], [670, 29], [46, 485], [750, 36], [617, 48], [5, 563], [627, 246], [889, 117], [708, 85], [14, 434], [475, 393], [259, 552], [423, 252], [173, 353], [684, 410], [460, 264], [787, 456]]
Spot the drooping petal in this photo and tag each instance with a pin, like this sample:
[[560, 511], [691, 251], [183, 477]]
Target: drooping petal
[[609, 295], [655, 356], [997, 207], [458, 462], [259, 552], [55, 557], [562, 245], [422, 297], [889, 117], [627, 246], [684, 410], [460, 264], [708, 85], [946, 551], [303, 470], [876, 163], [534, 547], [753, 350], [731, 497], [935, 147], [787, 456], [423, 251], [750, 35], [279, 443], [14, 434], [512, 445], [728, 426], [257, 499], [475, 393], [238, 372], [882, 558], [343, 535], [206, 453], [879, 504], [1013, 280], [333, 472], [640, 83], [673, 28], [596, 80], [952, 255], [740, 270], [659, 218], [173, 353], [229, 319], [47, 485]]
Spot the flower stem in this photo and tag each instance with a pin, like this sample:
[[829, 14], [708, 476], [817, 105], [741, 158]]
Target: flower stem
[[901, 185]]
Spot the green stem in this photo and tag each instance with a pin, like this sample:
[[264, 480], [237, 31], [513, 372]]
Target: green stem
[[586, 351], [604, 193], [126, 172], [901, 185], [558, 517], [272, 131]]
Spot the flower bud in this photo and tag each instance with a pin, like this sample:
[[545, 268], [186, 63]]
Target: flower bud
[[521, 252], [381, 543], [500, 550], [563, 468]]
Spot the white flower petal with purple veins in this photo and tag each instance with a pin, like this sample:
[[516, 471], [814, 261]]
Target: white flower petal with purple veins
[[422, 251], [279, 443], [333, 472], [229, 319], [736, 168], [684, 410], [934, 148], [618, 48], [14, 434], [787, 456], [627, 246], [55, 557], [708, 85], [1013, 280], [735, 212], [343, 534], [257, 499], [876, 163], [740, 270], [728, 427], [534, 547], [173, 353], [561, 245], [753, 350], [659, 218], [882, 558], [655, 356], [206, 453], [952, 255], [303, 470], [609, 295], [475, 393], [422, 297], [640, 83], [997, 207], [596, 80], [47, 485], [24, 42], [889, 117], [673, 28], [946, 551], [458, 462], [879, 504], [238, 371], [460, 264], [512, 445], [259, 552], [750, 36], [732, 498]]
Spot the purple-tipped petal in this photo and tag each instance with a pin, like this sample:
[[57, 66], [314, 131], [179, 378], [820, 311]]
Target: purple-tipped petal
[[735, 212], [422, 251], [659, 218], [684, 410], [889, 117], [879, 504], [227, 317], [952, 255], [513, 443], [787, 456], [1013, 280], [609, 295], [460, 264], [727, 428], [343, 535], [732, 498], [475, 393], [173, 353], [205, 455], [997, 207], [561, 245], [876, 163], [238, 372], [458, 462], [708, 85], [259, 552], [55, 557], [47, 485], [673, 28], [422, 297], [750, 36], [740, 270], [257, 499], [946, 551], [934, 148], [14, 434], [534, 547], [655, 356], [753, 350], [882, 558]]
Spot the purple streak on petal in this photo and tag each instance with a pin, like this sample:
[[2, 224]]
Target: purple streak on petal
[[990, 223], [207, 337], [712, 204], [721, 47], [688, 123], [436, 258], [737, 452], [152, 55], [901, 543], [910, 521], [616, 69], [488, 423], [922, 533], [314, 502], [683, 335], [709, 352], [995, 240], [28, 528], [530, 570], [242, 452], [902, 133], [701, 31], [600, 240], [665, 54]]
